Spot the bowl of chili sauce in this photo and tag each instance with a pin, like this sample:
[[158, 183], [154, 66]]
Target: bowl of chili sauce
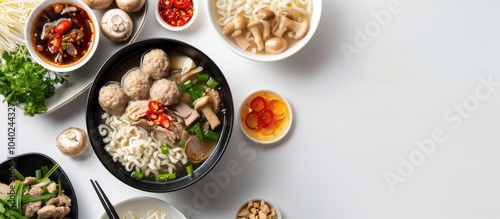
[[176, 15]]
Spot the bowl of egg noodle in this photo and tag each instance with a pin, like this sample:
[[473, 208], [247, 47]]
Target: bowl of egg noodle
[[268, 30]]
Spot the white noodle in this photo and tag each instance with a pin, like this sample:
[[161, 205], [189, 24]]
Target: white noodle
[[137, 149]]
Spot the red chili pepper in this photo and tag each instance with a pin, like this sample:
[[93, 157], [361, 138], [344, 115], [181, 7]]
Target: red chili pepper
[[252, 120], [258, 104], [181, 4], [152, 116], [165, 3], [63, 26], [54, 42], [266, 118], [155, 107], [164, 121]]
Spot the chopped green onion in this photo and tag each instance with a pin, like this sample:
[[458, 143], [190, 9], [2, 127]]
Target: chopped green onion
[[19, 194], [51, 171], [186, 86], [199, 90], [189, 169], [137, 175], [197, 130], [212, 83], [203, 77], [18, 175], [38, 174], [59, 187], [167, 176], [45, 170], [211, 135], [43, 197], [182, 144], [193, 94], [164, 149]]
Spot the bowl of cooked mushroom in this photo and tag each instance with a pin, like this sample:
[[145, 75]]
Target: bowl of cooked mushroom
[[257, 208], [265, 30]]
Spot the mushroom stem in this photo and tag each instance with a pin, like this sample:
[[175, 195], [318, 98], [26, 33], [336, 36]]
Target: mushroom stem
[[266, 17], [254, 27], [299, 27]]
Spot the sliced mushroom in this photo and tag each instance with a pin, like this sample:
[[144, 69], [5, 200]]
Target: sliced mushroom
[[254, 27], [189, 64], [193, 72], [203, 105], [286, 23], [73, 141], [275, 45], [242, 42], [236, 26], [116, 25], [215, 99], [198, 151], [266, 17]]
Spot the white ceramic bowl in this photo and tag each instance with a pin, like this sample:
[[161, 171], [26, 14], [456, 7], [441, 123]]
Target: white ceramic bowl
[[261, 56], [280, 130], [174, 28], [270, 205], [28, 36]]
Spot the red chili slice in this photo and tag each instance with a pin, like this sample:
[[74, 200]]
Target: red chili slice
[[63, 27], [258, 104], [155, 107], [54, 42], [165, 3], [152, 116], [266, 118], [164, 121], [252, 120], [181, 4]]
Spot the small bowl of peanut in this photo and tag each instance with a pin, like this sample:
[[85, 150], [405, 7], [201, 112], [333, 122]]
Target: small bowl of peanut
[[258, 208]]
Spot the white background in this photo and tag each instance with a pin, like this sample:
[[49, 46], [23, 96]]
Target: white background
[[355, 122]]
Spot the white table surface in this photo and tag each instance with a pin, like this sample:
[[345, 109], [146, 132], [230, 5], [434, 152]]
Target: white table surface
[[431, 73]]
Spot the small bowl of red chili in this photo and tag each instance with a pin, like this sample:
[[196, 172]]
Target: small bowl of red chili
[[265, 117], [176, 15], [62, 35]]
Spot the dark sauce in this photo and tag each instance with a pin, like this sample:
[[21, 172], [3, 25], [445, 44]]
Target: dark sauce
[[81, 21]]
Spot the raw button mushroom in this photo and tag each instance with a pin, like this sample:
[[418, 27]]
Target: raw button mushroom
[[98, 4], [72, 141], [116, 25], [130, 5]]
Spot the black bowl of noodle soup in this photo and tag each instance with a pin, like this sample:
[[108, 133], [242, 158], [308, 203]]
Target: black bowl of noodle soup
[[170, 137]]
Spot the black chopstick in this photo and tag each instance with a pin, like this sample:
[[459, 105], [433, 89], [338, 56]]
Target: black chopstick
[[110, 210]]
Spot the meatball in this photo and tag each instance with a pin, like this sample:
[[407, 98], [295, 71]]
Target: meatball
[[136, 84], [155, 63], [165, 91], [113, 99]]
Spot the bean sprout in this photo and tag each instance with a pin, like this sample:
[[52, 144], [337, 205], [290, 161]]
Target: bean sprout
[[13, 16]]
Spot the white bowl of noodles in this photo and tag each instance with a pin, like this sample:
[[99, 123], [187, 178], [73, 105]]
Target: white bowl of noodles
[[265, 31]]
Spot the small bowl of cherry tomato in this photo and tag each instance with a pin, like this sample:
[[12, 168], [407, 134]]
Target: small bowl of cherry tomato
[[176, 15], [265, 117]]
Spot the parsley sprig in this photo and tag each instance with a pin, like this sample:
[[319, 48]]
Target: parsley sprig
[[22, 81]]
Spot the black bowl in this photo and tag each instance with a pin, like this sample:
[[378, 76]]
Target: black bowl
[[28, 163], [114, 69]]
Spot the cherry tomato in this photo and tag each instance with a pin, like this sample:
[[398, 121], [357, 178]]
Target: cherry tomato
[[252, 120], [54, 42], [63, 27], [155, 107], [258, 104], [181, 4], [266, 118]]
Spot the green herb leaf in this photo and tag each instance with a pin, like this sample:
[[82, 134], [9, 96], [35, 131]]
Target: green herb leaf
[[22, 81]]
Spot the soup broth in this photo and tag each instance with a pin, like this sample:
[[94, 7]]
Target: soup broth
[[62, 34]]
